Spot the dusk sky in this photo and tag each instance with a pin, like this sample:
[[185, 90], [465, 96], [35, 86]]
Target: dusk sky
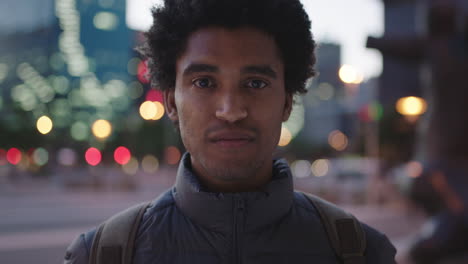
[[339, 21], [347, 22]]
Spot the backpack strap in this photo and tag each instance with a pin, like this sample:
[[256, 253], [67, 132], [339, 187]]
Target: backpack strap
[[115, 238], [344, 231]]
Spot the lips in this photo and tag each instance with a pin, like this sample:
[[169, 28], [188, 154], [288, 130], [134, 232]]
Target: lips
[[231, 138]]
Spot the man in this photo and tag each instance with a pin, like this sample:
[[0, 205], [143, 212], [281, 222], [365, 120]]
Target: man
[[229, 70]]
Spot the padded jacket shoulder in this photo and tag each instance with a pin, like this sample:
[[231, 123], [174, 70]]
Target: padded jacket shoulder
[[274, 225], [379, 249]]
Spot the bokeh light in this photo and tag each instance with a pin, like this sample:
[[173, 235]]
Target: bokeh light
[[14, 156], [375, 111], [150, 164], [142, 72], [150, 110], [285, 137], [172, 155], [320, 167], [132, 65], [159, 111], [349, 74], [24, 163], [93, 156], [295, 123], [66, 157], [105, 21], [101, 128], [325, 91], [135, 90], [40, 156], [122, 155], [106, 3], [79, 131], [411, 106], [154, 96], [338, 140], [44, 124], [414, 169], [371, 112], [131, 167], [301, 168]]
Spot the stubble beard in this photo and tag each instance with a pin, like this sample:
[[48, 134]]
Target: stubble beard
[[232, 172]]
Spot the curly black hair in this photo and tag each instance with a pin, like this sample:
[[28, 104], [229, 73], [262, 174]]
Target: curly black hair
[[285, 20]]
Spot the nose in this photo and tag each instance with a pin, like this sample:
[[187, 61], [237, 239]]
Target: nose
[[231, 108]]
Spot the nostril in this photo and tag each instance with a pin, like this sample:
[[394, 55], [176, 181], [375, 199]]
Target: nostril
[[231, 115]]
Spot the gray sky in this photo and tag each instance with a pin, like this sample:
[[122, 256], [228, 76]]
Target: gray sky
[[349, 22]]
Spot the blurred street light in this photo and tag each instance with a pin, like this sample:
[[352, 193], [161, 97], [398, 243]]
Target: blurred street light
[[150, 164], [102, 129], [122, 155], [285, 137], [338, 140], [320, 167], [151, 110], [44, 125], [411, 106], [14, 156], [93, 156], [350, 75]]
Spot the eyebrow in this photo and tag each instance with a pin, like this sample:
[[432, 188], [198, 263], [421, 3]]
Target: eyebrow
[[257, 69], [200, 67], [260, 69]]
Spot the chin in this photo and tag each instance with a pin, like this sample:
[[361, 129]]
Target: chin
[[232, 169]]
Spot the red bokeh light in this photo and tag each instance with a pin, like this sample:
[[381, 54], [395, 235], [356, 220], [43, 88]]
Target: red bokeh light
[[364, 114], [14, 156], [154, 96], [3, 159], [142, 72], [93, 156], [122, 155]]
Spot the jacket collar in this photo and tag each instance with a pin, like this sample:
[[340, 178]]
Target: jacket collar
[[218, 211]]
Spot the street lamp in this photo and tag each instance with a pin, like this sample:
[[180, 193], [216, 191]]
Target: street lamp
[[350, 75], [101, 129], [411, 107]]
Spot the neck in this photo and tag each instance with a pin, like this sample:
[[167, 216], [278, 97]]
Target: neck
[[247, 182]]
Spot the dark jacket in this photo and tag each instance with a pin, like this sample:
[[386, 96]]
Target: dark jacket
[[276, 225]]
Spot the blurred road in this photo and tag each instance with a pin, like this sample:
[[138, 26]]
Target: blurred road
[[38, 220]]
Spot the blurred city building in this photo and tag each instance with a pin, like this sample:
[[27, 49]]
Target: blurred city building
[[71, 80], [339, 99], [435, 52]]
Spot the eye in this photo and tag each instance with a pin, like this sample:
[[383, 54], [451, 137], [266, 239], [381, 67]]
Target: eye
[[203, 83], [256, 84]]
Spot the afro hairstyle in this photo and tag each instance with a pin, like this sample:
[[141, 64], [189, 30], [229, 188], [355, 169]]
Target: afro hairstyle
[[285, 20]]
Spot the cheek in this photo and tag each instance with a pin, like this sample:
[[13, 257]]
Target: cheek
[[190, 122], [269, 122]]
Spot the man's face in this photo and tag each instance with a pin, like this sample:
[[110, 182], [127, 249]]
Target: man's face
[[229, 101]]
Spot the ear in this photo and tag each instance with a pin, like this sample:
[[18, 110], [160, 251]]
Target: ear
[[170, 105], [287, 107]]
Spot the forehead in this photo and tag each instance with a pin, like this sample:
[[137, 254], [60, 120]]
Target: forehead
[[220, 45]]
